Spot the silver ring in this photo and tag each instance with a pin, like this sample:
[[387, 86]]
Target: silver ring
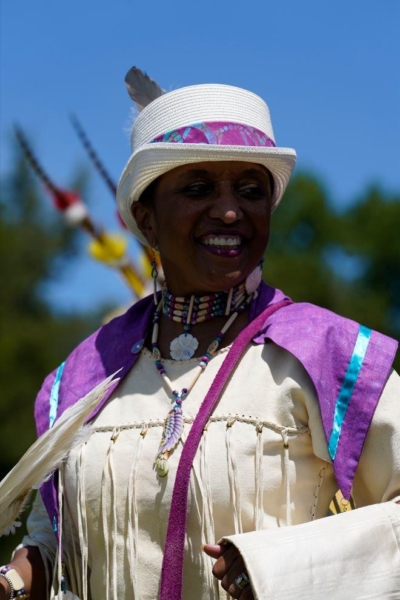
[[242, 581]]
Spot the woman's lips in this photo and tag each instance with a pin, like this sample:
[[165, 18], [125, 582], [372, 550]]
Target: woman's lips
[[223, 245]]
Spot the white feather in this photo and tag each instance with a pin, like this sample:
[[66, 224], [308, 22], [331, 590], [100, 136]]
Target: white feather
[[46, 454], [141, 88]]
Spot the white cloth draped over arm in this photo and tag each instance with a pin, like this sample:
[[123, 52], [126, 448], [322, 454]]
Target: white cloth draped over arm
[[352, 555]]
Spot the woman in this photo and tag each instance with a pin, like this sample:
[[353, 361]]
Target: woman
[[238, 413]]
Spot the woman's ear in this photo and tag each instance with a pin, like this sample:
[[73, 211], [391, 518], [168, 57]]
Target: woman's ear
[[144, 217]]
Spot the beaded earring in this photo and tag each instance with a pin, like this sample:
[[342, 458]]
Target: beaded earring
[[154, 275], [254, 279]]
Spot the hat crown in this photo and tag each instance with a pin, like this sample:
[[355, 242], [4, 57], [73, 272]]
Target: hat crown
[[199, 103]]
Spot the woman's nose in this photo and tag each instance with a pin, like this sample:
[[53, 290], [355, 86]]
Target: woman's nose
[[226, 207]]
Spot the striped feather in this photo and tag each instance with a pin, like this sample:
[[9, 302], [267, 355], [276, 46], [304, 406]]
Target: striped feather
[[173, 428]]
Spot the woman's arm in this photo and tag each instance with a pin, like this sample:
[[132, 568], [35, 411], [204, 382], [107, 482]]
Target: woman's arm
[[351, 555], [344, 556], [34, 559], [29, 565]]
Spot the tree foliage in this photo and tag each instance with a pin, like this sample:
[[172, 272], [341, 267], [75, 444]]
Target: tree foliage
[[34, 249], [348, 261]]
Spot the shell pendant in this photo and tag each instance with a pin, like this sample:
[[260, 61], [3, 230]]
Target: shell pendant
[[173, 428], [184, 346]]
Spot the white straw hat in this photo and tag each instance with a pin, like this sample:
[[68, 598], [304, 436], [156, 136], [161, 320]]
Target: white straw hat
[[195, 124]]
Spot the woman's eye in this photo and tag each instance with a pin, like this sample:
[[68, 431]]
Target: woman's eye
[[253, 191], [198, 189]]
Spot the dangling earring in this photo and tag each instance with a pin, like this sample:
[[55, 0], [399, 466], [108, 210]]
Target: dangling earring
[[154, 275], [254, 279]]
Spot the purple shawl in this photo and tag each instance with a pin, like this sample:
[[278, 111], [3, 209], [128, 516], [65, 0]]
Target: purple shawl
[[326, 344]]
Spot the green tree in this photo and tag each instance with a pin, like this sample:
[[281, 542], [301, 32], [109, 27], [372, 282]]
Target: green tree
[[34, 249], [347, 262]]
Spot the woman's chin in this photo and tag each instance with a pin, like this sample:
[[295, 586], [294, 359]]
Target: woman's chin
[[222, 280]]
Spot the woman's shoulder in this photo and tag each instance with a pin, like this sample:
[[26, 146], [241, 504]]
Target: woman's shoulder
[[302, 316], [302, 324], [334, 350], [113, 337], [104, 352], [308, 315]]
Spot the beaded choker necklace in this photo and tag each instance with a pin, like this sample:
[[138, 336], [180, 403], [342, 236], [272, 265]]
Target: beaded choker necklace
[[173, 426], [196, 309]]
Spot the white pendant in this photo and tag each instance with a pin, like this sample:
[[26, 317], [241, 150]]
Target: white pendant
[[183, 347], [253, 280]]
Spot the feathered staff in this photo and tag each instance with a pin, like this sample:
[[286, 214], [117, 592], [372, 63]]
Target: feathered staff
[[46, 455], [93, 154], [146, 252], [143, 90], [107, 248]]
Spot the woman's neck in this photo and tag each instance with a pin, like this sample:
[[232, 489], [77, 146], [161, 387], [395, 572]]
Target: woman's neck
[[205, 332], [185, 326]]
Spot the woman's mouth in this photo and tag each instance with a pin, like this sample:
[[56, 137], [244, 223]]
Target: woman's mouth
[[223, 245]]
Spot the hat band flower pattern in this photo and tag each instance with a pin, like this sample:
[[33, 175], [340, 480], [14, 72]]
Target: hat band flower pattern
[[218, 133]]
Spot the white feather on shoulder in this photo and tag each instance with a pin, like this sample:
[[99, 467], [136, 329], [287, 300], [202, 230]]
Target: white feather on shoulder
[[46, 455]]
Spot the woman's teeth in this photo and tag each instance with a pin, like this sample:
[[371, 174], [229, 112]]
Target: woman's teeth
[[222, 242]]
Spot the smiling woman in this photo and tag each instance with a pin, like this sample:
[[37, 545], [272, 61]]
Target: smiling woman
[[209, 223], [238, 413]]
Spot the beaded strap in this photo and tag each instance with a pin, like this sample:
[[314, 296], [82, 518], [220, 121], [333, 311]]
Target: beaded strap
[[172, 567]]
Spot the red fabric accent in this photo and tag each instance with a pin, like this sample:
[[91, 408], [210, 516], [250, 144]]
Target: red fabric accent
[[63, 199]]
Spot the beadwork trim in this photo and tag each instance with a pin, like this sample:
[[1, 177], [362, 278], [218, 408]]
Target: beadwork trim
[[191, 310], [197, 309], [173, 427], [247, 420]]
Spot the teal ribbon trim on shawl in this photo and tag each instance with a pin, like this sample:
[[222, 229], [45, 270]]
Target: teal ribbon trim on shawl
[[55, 391], [348, 385]]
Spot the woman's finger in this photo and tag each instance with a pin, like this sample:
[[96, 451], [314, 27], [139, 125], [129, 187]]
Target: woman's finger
[[216, 550], [229, 565], [228, 582], [241, 593], [247, 594], [234, 577], [225, 562]]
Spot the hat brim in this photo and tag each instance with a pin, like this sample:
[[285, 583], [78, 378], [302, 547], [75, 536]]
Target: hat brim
[[153, 160]]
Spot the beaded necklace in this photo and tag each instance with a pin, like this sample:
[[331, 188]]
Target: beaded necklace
[[173, 425], [197, 309]]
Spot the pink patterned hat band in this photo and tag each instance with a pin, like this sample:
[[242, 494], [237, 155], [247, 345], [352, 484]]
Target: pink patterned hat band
[[217, 133]]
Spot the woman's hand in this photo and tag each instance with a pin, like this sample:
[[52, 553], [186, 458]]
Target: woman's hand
[[29, 565], [4, 589], [228, 566]]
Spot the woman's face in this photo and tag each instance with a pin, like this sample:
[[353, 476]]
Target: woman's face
[[210, 222]]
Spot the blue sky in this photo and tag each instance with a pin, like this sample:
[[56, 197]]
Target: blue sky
[[329, 72]]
